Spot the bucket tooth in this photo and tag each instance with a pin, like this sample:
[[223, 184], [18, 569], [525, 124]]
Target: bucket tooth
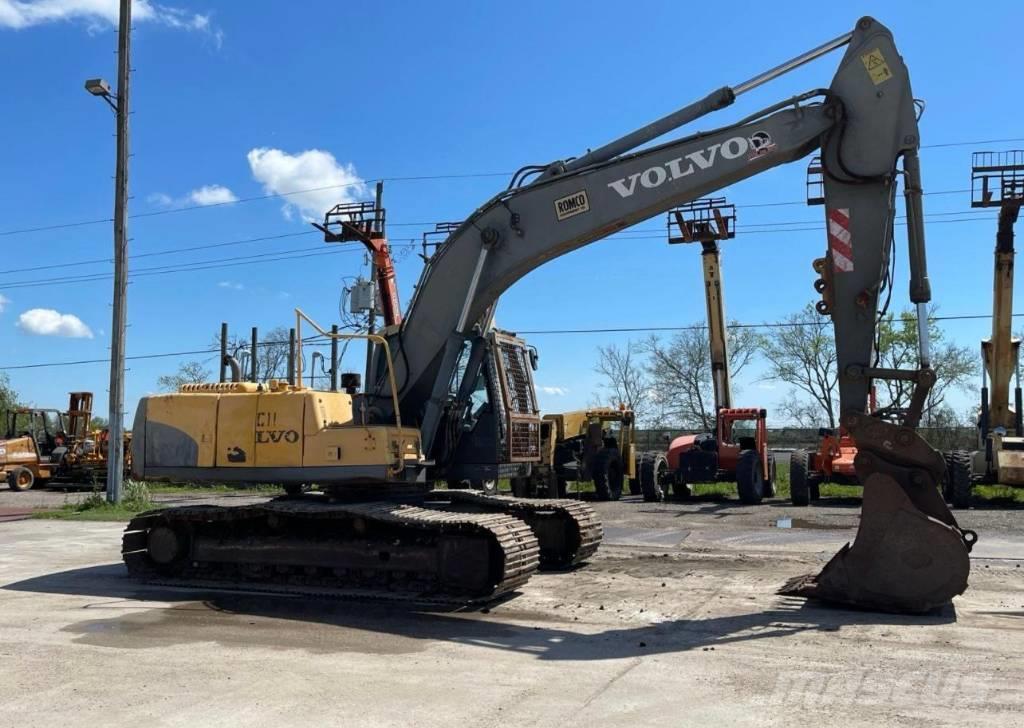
[[908, 556]]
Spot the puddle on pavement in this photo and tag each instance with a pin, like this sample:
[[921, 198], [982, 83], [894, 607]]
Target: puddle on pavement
[[801, 523], [282, 624]]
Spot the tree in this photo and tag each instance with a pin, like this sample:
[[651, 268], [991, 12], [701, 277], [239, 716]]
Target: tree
[[802, 353], [625, 380], [8, 397], [189, 372], [679, 370], [271, 354]]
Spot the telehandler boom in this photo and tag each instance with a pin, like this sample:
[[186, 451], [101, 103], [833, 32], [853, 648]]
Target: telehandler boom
[[373, 449]]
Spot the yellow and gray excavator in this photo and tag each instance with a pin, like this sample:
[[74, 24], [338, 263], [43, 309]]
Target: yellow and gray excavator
[[380, 528], [997, 180]]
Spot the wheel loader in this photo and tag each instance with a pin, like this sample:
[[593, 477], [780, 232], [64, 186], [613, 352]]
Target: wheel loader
[[379, 528], [580, 446], [48, 446]]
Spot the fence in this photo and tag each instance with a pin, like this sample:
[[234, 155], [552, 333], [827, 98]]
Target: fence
[[792, 438]]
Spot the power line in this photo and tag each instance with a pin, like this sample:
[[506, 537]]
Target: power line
[[167, 251], [413, 178], [770, 325], [525, 332], [626, 234], [971, 144], [191, 267], [186, 208]]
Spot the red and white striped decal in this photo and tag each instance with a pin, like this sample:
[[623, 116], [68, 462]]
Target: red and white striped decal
[[840, 242]]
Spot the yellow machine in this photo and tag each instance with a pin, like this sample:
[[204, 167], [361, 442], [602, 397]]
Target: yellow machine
[[246, 432], [596, 445], [47, 446], [997, 180]]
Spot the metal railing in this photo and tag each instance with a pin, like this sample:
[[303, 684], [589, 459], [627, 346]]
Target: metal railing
[[300, 317]]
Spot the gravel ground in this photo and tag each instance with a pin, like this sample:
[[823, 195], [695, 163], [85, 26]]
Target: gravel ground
[[674, 622]]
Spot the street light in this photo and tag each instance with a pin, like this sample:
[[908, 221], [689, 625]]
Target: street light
[[100, 87], [118, 102]]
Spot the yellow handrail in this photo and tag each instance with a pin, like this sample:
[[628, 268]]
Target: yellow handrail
[[377, 339]]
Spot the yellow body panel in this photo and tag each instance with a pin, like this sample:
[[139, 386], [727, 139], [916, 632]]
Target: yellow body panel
[[236, 430], [280, 428], [198, 419], [279, 422], [1009, 463]]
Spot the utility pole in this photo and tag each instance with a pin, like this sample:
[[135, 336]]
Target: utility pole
[[115, 469], [371, 321]]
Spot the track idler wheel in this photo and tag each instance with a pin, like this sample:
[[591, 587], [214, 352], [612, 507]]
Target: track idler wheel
[[909, 554]]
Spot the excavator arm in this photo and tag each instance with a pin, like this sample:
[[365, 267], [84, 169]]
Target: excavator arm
[[909, 554]]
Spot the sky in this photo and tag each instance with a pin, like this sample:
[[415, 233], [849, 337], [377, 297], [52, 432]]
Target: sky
[[236, 101]]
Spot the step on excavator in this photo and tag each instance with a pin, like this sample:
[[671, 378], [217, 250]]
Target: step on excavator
[[997, 180], [380, 528]]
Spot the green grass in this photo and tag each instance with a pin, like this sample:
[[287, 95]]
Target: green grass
[[212, 488], [136, 499], [999, 494]]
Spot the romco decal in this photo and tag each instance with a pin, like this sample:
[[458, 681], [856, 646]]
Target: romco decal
[[757, 144], [574, 204]]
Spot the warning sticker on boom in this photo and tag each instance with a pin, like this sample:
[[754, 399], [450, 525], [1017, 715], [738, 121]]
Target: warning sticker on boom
[[876, 66], [574, 204]]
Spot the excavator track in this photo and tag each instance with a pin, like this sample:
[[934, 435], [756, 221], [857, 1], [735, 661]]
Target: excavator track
[[569, 531], [311, 546]]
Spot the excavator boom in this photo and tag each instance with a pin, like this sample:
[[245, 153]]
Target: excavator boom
[[910, 553]]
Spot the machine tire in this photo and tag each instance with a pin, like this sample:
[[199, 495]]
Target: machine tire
[[488, 486], [557, 486], [749, 478], [457, 484], [294, 490], [947, 483], [769, 483], [799, 490], [608, 477], [653, 469], [960, 478], [21, 479], [522, 488]]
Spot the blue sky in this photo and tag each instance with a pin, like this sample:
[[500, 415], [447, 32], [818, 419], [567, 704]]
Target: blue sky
[[240, 100]]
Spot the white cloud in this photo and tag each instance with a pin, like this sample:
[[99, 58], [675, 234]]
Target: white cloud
[[212, 195], [47, 322], [233, 285], [555, 391], [4, 300], [326, 182], [160, 199], [203, 196], [97, 14]]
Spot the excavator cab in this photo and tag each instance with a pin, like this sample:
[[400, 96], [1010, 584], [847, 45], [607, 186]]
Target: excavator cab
[[494, 419]]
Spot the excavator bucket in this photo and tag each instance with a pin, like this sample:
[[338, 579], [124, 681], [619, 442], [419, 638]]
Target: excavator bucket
[[909, 554]]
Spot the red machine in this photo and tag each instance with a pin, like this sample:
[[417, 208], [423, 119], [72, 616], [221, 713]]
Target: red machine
[[364, 222], [832, 463], [725, 455]]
